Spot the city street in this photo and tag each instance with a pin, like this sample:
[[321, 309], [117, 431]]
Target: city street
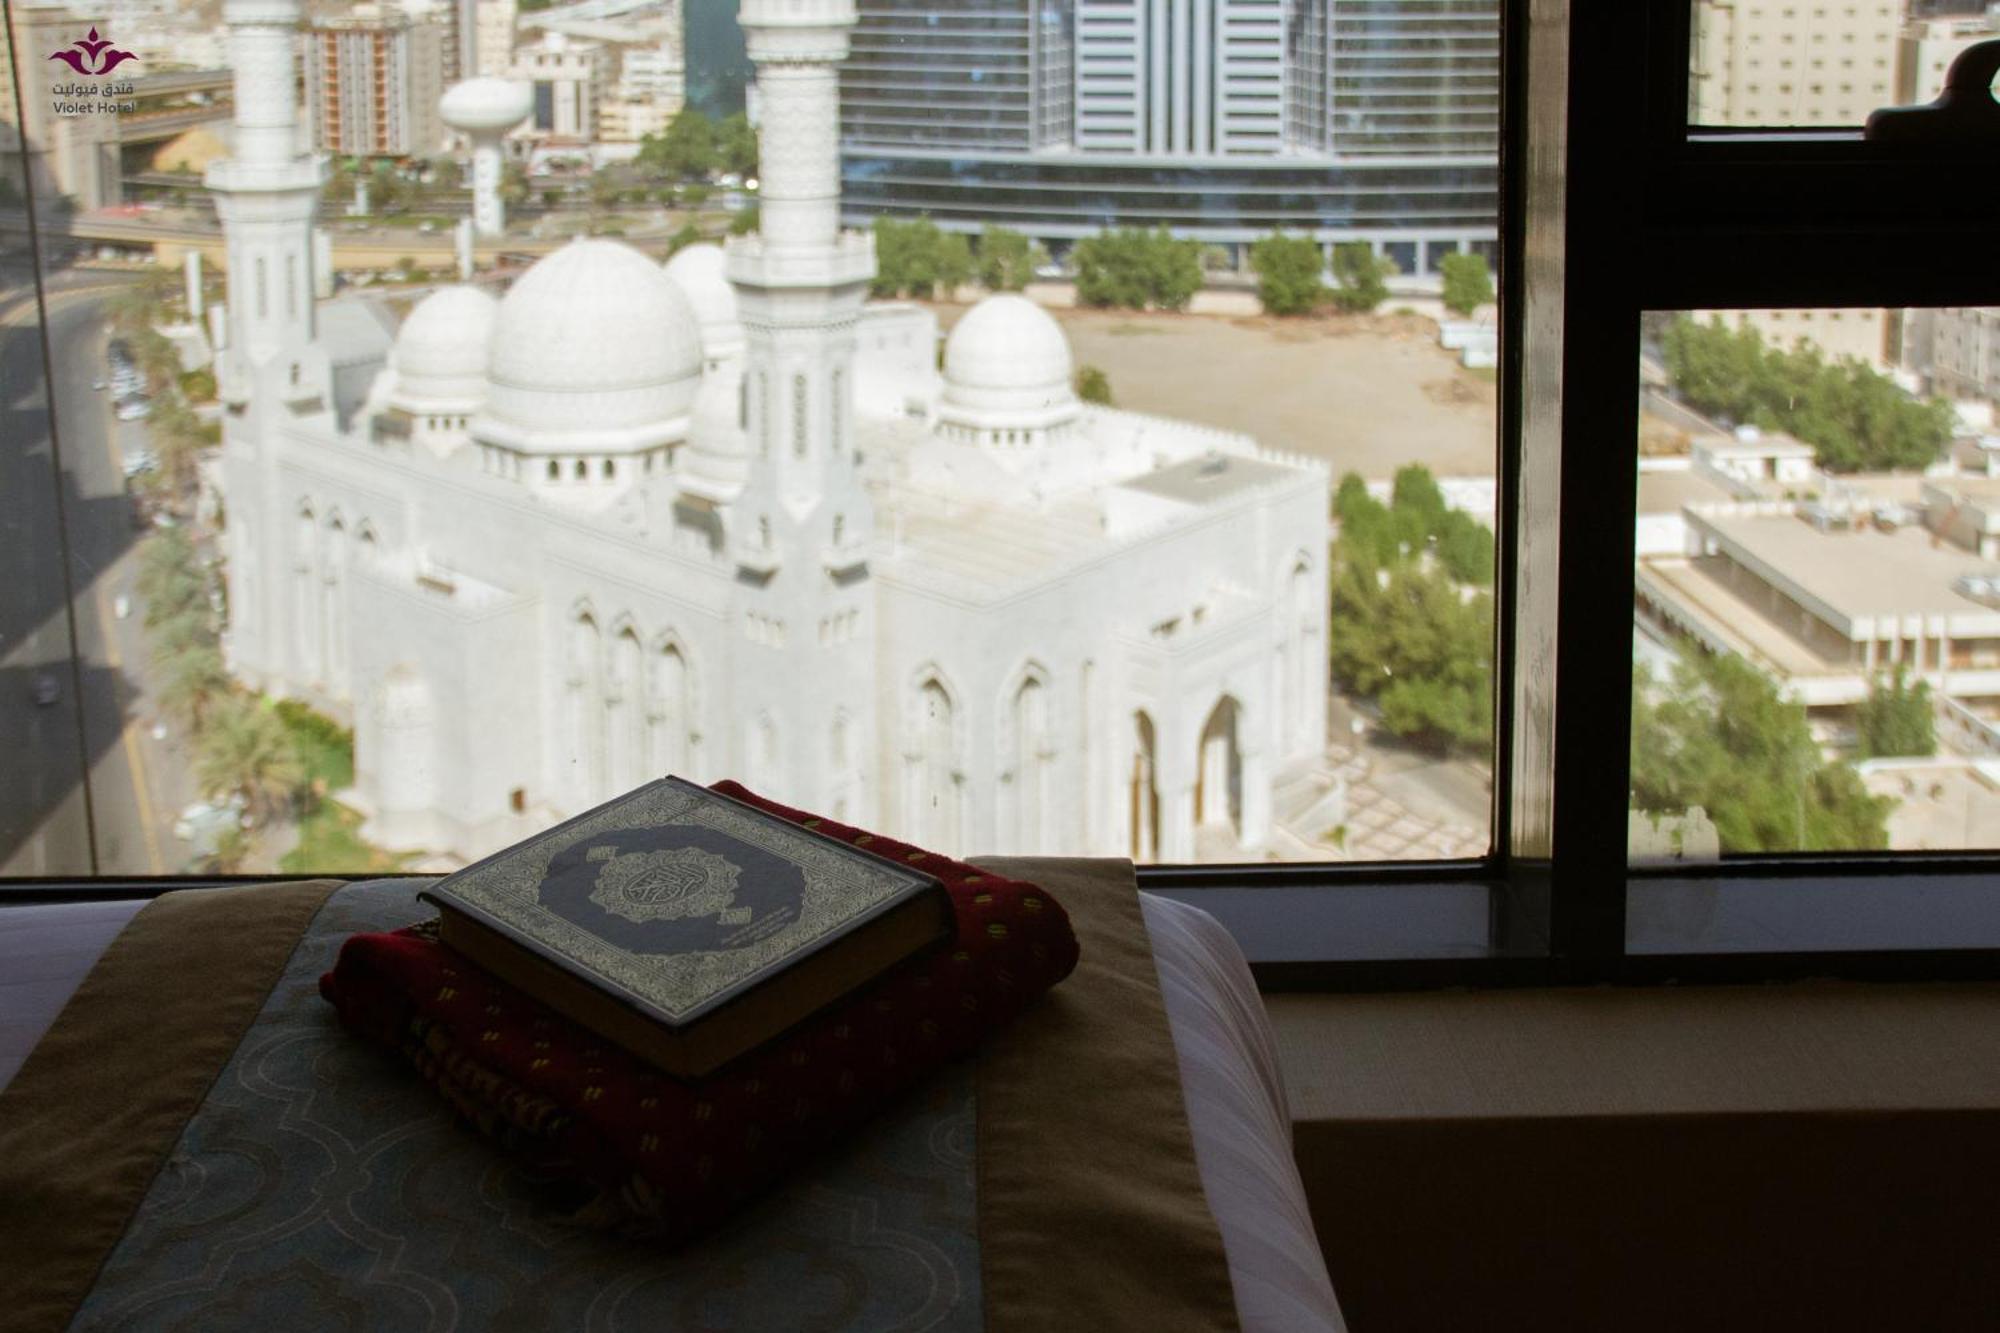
[[134, 780]]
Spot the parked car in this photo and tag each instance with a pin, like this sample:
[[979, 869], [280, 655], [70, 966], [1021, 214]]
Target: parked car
[[140, 460], [134, 409]]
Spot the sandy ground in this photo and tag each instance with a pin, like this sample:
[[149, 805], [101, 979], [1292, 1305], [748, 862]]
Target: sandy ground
[[1368, 394]]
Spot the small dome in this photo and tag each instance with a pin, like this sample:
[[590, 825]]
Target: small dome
[[594, 350], [700, 272], [718, 455], [1007, 363], [486, 105], [440, 352]]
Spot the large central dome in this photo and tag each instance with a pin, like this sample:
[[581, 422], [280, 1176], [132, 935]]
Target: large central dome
[[594, 350]]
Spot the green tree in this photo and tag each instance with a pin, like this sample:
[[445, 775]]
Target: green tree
[[513, 184], [685, 150], [1854, 418], [191, 683], [171, 578], [246, 750], [1720, 737], [136, 307], [178, 437], [745, 222], [1896, 719], [918, 258], [952, 262], [1360, 276], [1468, 283], [736, 145], [156, 359], [1007, 259], [687, 235], [1093, 386], [1137, 269], [1288, 274], [1410, 640]]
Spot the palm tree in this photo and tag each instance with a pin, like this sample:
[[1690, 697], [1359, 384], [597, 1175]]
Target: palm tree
[[140, 305], [232, 849], [171, 578], [245, 749], [156, 359], [181, 633], [191, 685], [178, 438]]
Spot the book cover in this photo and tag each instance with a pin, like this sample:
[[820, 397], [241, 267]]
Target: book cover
[[678, 899]]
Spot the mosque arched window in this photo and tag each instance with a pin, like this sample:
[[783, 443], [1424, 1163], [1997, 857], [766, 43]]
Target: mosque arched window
[[263, 291], [800, 427], [610, 469], [764, 414], [555, 470], [582, 469]]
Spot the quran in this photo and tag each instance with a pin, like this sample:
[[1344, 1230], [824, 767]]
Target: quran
[[685, 925]]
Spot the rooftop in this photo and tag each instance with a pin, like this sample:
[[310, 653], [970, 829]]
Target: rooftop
[[1666, 491], [1205, 480], [1858, 574]]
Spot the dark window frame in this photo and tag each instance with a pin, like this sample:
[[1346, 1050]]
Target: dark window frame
[[1605, 216]]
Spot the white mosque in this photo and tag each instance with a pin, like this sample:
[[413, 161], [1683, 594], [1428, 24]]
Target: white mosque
[[726, 518]]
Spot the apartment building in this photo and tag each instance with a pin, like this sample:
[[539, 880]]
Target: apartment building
[[372, 81]]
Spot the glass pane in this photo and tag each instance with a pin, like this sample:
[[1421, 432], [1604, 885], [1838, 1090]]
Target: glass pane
[[990, 504], [1823, 63], [44, 814], [1817, 646]]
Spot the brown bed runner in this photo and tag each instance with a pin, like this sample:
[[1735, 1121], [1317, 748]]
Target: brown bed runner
[[1090, 1210], [1084, 1147], [78, 1150]]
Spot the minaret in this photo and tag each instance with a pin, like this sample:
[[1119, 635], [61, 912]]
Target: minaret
[[266, 194], [800, 527]]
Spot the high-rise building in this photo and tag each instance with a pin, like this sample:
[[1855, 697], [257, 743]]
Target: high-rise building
[[1180, 77], [1783, 62], [1928, 46], [569, 76], [1222, 119], [1790, 62], [493, 36], [1395, 77], [372, 84]]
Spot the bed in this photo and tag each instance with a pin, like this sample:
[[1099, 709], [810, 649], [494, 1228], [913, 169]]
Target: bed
[[1106, 1254]]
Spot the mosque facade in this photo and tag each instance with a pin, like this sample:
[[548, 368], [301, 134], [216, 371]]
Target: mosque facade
[[726, 517]]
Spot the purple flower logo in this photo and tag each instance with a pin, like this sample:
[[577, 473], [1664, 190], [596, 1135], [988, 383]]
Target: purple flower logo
[[93, 51]]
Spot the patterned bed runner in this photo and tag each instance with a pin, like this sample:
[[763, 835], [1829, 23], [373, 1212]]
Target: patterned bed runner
[[140, 1189]]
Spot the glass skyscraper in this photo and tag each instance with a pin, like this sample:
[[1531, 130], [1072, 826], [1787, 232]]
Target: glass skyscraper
[[1373, 120]]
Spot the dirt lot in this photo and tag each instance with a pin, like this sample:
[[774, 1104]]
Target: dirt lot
[[1369, 394]]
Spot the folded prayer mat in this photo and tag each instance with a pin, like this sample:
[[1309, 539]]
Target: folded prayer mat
[[678, 1155]]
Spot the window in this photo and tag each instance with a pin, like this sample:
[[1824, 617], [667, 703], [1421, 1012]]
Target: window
[[1324, 486]]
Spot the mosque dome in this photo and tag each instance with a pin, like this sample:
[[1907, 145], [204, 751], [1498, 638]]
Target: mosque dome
[[700, 272], [1007, 363], [718, 456], [594, 349], [440, 352]]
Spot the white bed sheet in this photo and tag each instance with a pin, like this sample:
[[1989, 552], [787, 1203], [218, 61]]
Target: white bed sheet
[[1240, 1123], [1228, 1062]]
